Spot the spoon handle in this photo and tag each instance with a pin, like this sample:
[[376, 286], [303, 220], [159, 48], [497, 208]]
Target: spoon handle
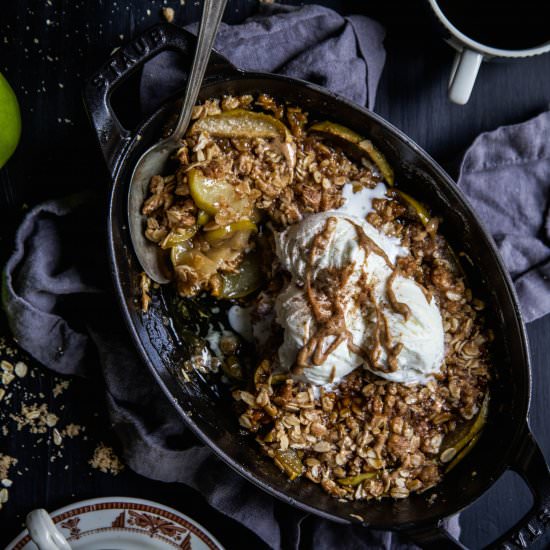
[[211, 18]]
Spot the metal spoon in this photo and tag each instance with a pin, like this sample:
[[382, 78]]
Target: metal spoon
[[154, 159]]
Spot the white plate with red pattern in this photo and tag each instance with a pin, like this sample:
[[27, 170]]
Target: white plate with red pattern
[[121, 523]]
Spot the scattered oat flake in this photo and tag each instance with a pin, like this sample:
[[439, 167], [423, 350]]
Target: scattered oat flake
[[60, 387], [105, 460], [57, 439], [72, 430], [21, 369], [168, 14], [6, 462], [6, 366], [7, 378], [35, 417], [51, 420]]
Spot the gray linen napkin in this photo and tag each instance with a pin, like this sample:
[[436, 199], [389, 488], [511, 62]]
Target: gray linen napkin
[[506, 175], [343, 54], [58, 299]]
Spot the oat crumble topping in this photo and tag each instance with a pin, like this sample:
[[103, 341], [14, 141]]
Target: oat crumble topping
[[366, 437]]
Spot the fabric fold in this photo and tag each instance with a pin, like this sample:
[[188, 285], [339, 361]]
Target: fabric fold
[[313, 43], [506, 175]]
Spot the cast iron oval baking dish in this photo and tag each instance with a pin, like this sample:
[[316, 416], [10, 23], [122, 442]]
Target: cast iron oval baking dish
[[506, 442]]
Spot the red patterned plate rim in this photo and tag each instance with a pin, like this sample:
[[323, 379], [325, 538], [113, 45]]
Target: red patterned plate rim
[[124, 503]]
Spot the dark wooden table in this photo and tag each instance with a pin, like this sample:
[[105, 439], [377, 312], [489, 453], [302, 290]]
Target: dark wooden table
[[48, 48]]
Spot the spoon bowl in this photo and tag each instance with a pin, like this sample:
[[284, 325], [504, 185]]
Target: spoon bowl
[[149, 254], [153, 161]]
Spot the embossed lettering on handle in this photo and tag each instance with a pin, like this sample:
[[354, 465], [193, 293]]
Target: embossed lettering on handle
[[531, 466], [529, 533]]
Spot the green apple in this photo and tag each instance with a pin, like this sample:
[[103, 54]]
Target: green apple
[[10, 121]]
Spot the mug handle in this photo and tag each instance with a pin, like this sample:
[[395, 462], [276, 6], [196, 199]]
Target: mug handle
[[44, 533], [463, 75]]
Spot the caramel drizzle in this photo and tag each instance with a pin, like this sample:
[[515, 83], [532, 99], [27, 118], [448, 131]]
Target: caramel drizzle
[[369, 245], [330, 318], [427, 294], [398, 307], [382, 339]]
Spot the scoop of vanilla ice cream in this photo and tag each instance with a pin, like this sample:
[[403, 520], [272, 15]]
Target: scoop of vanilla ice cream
[[293, 313], [293, 245], [421, 335]]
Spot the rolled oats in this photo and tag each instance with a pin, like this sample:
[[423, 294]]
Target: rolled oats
[[21, 369]]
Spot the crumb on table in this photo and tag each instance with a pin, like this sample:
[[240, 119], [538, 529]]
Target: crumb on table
[[168, 14], [105, 460], [6, 462]]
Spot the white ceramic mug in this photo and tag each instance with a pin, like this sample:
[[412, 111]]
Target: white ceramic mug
[[471, 53], [44, 533]]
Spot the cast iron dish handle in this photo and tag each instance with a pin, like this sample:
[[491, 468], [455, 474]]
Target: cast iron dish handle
[[113, 137], [531, 466]]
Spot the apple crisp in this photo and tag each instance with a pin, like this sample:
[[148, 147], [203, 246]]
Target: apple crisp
[[248, 170]]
